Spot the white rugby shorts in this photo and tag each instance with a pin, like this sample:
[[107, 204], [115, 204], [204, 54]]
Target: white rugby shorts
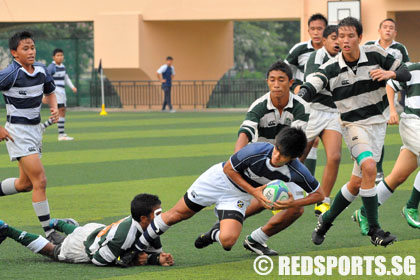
[[410, 136], [320, 121], [27, 140], [72, 249], [213, 187], [60, 94], [372, 137]]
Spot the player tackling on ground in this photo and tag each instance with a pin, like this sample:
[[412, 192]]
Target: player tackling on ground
[[356, 78], [23, 83], [97, 243], [230, 186]]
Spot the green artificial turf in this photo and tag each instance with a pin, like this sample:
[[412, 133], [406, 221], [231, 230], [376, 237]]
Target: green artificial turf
[[115, 157]]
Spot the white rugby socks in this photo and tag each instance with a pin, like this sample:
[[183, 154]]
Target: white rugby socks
[[7, 187]]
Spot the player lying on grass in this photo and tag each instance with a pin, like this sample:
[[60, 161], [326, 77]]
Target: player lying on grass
[[356, 78], [230, 186], [409, 157], [97, 243]]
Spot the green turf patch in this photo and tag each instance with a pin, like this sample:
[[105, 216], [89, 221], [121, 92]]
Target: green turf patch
[[113, 158]]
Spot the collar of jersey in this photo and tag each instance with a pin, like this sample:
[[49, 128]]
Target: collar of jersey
[[37, 69], [61, 65], [362, 58], [377, 44], [270, 105], [137, 225], [309, 45], [273, 168], [323, 49]]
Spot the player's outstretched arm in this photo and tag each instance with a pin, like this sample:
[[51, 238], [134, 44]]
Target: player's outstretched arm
[[162, 259], [166, 259]]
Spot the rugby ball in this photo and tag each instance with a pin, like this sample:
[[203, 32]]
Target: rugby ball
[[276, 190]]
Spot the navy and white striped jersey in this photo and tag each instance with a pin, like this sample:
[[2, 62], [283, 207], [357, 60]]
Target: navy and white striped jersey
[[253, 163], [23, 92], [59, 74]]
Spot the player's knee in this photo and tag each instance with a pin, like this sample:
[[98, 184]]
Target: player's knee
[[227, 241], [297, 212], [41, 182], [334, 157], [369, 167]]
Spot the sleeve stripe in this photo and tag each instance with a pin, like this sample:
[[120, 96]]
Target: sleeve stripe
[[95, 262], [106, 254], [395, 65], [249, 133]]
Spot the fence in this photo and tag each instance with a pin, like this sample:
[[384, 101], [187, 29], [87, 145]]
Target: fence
[[185, 94]]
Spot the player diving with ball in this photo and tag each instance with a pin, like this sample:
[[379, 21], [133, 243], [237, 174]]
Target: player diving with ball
[[231, 186]]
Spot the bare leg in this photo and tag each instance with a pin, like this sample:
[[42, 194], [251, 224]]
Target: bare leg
[[177, 213], [332, 143], [34, 171], [282, 220], [405, 165], [254, 208], [230, 230]]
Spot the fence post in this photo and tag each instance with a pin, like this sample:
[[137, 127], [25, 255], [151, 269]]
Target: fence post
[[77, 72]]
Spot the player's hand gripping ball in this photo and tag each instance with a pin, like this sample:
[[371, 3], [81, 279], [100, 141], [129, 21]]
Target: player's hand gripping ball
[[276, 190]]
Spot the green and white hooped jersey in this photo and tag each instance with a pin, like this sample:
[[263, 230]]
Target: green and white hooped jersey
[[412, 101], [358, 98], [106, 244], [263, 121], [297, 58], [323, 100], [396, 49]]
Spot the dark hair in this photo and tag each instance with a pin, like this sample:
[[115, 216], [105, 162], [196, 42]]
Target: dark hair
[[169, 58], [318, 16], [351, 21], [15, 39], [142, 205], [291, 142], [57, 51], [281, 66], [387, 19], [329, 30]]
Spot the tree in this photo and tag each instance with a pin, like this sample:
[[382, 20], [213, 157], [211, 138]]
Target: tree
[[258, 44]]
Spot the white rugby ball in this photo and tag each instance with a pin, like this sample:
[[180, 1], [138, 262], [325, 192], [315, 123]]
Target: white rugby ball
[[276, 190]]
